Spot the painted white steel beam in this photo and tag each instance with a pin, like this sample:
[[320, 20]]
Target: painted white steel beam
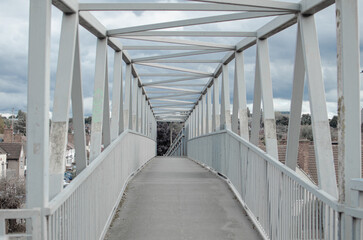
[[191, 22], [117, 97], [175, 55], [177, 89], [239, 99], [172, 96], [256, 115], [133, 104], [173, 80], [185, 61], [128, 79], [185, 85], [215, 110], [66, 6], [61, 103], [293, 133], [209, 111], [163, 74], [106, 130], [98, 98], [179, 69], [182, 41], [261, 3], [320, 124], [311, 7], [37, 183], [225, 122], [267, 98], [172, 100], [78, 113], [171, 105], [349, 109], [192, 34], [166, 47], [164, 7]]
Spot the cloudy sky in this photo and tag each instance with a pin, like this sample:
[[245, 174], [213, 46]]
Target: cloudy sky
[[14, 16]]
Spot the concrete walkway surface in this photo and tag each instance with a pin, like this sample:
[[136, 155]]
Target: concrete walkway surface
[[175, 198]]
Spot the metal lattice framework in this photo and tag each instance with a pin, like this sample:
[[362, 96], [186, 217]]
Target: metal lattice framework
[[184, 94]]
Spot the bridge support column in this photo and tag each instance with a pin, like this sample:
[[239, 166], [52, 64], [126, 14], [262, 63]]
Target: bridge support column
[[78, 113], [127, 102], [209, 111], [349, 110], [296, 105], [319, 116], [256, 115], [117, 97], [239, 99], [203, 116], [61, 103], [139, 105], [38, 108], [98, 98], [225, 100], [267, 98], [215, 116], [133, 105], [143, 104]]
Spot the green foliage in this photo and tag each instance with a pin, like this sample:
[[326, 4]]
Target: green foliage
[[163, 135], [88, 120], [12, 196], [282, 120], [306, 132], [334, 122], [306, 119], [20, 125], [2, 125]]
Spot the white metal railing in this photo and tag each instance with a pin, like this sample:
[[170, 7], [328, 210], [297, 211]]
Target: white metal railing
[[279, 201], [177, 148], [85, 208]]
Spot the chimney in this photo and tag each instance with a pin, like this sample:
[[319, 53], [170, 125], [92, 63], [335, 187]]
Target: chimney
[[8, 135]]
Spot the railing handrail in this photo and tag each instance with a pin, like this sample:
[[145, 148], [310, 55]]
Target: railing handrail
[[67, 192], [321, 194]]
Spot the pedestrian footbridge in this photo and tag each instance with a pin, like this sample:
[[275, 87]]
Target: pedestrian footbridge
[[214, 182]]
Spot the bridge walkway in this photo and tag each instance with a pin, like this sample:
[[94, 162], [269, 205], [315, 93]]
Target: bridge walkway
[[175, 198]]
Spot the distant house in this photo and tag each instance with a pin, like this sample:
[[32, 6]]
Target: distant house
[[3, 163], [15, 159]]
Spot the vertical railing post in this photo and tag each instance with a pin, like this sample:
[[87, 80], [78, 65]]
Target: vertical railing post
[[142, 129], [225, 100], [37, 183]]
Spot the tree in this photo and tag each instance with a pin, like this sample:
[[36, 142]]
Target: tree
[[306, 119], [334, 122], [20, 125], [282, 120], [2, 125], [88, 120]]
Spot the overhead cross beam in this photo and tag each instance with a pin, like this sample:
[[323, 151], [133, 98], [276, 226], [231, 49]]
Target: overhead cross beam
[[191, 22], [166, 7], [191, 34]]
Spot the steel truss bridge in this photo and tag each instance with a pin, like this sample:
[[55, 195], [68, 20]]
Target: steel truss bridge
[[278, 200]]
